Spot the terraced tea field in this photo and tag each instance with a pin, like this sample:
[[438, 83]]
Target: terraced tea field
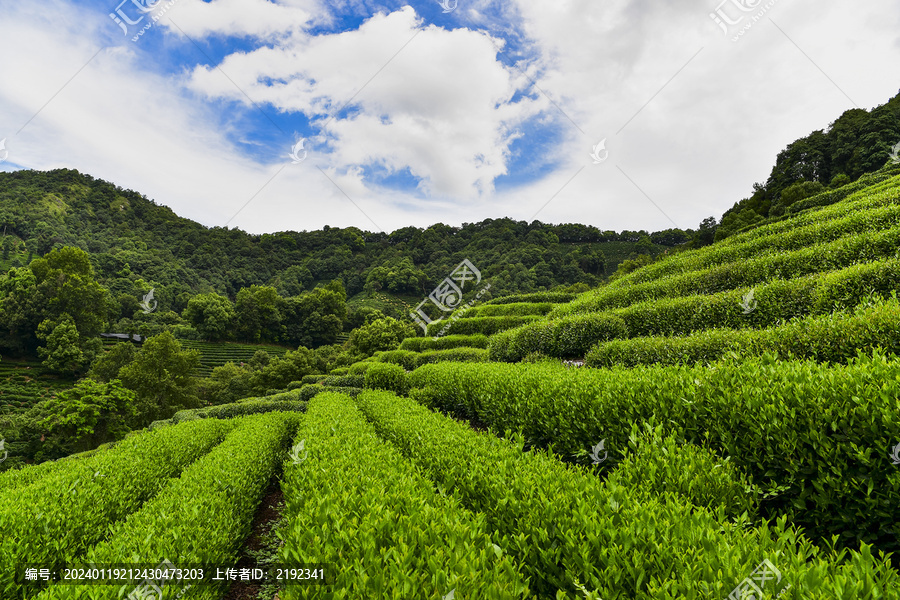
[[217, 354], [735, 434], [25, 383]]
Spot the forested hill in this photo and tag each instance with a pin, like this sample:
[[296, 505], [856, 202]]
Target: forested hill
[[134, 241], [128, 236]]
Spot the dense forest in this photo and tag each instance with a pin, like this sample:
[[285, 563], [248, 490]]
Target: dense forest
[[135, 244]]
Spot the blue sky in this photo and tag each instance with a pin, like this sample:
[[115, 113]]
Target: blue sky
[[410, 115]]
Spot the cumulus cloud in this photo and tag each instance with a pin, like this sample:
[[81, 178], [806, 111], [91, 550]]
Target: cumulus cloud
[[434, 101], [691, 119]]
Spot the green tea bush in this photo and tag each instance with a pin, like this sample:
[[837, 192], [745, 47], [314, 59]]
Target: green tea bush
[[311, 391], [657, 463], [834, 337], [359, 368], [245, 407], [482, 325], [407, 359], [552, 297], [202, 517], [27, 475], [421, 344], [345, 381], [355, 502], [453, 355], [312, 378], [516, 308], [563, 523], [55, 519], [570, 337], [838, 254], [386, 377], [816, 437], [876, 205]]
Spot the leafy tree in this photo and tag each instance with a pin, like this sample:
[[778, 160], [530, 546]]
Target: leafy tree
[[62, 352], [706, 234], [65, 284], [162, 377], [382, 334], [839, 180], [258, 310], [90, 414], [7, 246], [211, 315], [800, 191], [106, 367], [20, 310]]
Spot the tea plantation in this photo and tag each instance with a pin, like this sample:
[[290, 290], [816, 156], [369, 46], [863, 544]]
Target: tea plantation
[[734, 433]]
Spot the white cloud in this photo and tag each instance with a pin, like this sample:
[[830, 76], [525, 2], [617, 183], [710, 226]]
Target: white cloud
[[442, 108]]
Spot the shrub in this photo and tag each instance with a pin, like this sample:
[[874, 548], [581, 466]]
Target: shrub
[[569, 337], [386, 377], [345, 381], [454, 355], [421, 344], [810, 434], [203, 515], [405, 358], [52, 521], [482, 325], [355, 501], [561, 522], [552, 297], [836, 337], [360, 367]]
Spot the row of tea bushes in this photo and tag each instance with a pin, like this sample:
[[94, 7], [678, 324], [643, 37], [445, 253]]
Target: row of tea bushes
[[563, 524], [816, 437], [354, 503], [410, 360], [478, 325], [200, 518], [773, 303], [57, 518], [754, 270], [551, 297], [835, 337], [856, 215], [421, 344]]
